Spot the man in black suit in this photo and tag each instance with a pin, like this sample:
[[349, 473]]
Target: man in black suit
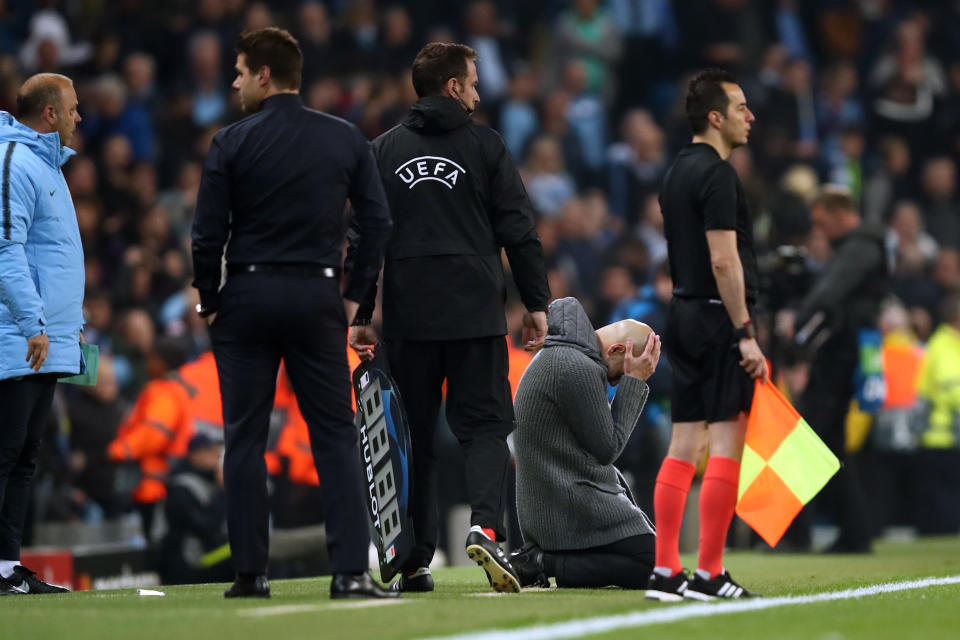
[[275, 184]]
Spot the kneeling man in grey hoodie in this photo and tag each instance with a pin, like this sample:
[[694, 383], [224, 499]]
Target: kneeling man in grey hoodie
[[579, 522]]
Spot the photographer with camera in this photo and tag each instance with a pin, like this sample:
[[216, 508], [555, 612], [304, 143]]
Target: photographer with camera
[[844, 300]]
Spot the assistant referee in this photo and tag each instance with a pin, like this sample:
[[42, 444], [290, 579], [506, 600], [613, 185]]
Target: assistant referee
[[275, 184], [710, 339]]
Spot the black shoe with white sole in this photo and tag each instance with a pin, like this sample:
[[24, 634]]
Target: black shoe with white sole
[[667, 588], [7, 588], [721, 586], [419, 581], [28, 581], [488, 554]]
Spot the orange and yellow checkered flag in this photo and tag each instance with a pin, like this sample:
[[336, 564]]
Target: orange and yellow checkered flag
[[784, 465]]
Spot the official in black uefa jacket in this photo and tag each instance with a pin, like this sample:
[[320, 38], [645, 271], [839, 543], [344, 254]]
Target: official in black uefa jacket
[[456, 200]]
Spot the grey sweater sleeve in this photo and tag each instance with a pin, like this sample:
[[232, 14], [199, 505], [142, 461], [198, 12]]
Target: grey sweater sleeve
[[600, 429]]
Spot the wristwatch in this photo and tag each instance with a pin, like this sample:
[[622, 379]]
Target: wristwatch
[[745, 332], [203, 313]]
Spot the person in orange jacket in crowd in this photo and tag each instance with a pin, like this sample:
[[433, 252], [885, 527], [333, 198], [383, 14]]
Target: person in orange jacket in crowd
[[156, 428]]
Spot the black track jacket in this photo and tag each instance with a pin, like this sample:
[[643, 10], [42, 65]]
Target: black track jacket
[[456, 199]]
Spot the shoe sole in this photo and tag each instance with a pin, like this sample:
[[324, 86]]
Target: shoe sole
[[663, 596], [689, 594], [500, 579]]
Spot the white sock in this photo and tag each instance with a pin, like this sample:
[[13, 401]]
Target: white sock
[[6, 567], [666, 572], [705, 574]]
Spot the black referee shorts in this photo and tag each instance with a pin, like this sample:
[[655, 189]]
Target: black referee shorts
[[708, 381]]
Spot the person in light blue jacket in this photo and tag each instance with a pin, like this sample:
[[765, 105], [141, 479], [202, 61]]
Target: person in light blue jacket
[[41, 297]]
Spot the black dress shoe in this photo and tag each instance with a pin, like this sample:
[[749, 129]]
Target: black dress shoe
[[249, 587], [345, 585], [7, 588], [528, 563], [28, 581]]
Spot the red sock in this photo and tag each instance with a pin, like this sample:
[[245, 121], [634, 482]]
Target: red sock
[[718, 499], [669, 499], [490, 533]]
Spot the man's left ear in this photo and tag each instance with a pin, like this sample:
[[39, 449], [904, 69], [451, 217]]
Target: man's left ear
[[263, 76], [616, 348]]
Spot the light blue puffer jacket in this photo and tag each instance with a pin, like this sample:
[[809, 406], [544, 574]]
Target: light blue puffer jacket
[[41, 257]]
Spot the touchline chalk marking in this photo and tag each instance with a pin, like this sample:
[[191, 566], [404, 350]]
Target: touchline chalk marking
[[665, 614]]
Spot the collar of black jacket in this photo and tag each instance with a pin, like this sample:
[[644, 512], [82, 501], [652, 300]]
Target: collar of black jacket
[[436, 114], [281, 101]]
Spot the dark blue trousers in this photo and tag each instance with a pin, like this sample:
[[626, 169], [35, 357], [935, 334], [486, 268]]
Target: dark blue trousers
[[26, 405], [264, 318]]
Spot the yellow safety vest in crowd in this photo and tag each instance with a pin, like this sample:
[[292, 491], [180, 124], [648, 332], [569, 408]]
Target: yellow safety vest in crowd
[[940, 386]]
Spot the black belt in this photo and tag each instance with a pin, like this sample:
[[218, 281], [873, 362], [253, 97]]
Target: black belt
[[305, 270]]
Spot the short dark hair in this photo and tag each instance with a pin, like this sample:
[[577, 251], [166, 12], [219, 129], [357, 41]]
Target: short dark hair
[[31, 103], [436, 63], [836, 198], [275, 48], [705, 93]]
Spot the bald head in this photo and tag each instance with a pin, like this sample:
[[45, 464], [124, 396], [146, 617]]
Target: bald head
[[613, 340], [47, 102], [39, 92]]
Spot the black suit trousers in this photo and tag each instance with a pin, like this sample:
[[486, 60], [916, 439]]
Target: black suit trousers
[[26, 404], [264, 318], [625, 563]]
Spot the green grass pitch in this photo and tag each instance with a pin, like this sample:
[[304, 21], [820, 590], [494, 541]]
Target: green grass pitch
[[463, 603]]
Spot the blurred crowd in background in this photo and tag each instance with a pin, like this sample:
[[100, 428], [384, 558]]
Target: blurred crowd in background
[[588, 95]]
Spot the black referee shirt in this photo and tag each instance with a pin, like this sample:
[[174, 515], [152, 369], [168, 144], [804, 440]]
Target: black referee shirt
[[701, 192], [276, 184]]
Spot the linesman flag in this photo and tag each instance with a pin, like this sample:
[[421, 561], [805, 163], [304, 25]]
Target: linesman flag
[[784, 465]]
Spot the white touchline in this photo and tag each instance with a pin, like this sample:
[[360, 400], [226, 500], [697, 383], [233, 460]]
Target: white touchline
[[284, 609], [661, 615]]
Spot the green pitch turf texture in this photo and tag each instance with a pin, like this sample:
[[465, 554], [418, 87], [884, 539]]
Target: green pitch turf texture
[[462, 603]]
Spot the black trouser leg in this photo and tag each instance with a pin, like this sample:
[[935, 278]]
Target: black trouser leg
[[480, 413], [316, 362], [937, 491], [247, 366], [625, 563], [417, 368], [26, 405], [825, 403]]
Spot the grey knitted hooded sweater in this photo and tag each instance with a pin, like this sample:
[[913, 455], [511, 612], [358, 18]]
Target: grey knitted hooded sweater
[[567, 437]]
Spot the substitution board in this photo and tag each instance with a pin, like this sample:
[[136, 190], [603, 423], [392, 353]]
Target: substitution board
[[385, 456]]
